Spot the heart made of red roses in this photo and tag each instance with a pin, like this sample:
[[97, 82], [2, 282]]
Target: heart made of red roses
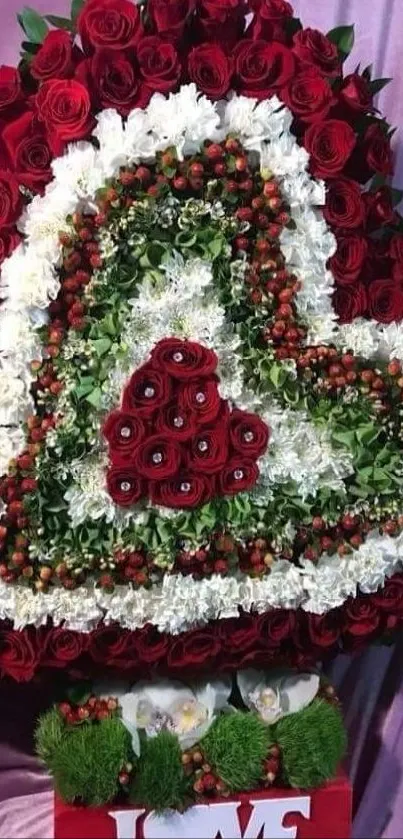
[[174, 440]]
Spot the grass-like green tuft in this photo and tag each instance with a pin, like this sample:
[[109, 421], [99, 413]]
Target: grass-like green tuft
[[313, 742], [49, 734], [236, 746], [160, 781], [88, 760]]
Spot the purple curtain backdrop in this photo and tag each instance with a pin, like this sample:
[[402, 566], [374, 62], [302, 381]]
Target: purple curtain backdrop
[[370, 685]]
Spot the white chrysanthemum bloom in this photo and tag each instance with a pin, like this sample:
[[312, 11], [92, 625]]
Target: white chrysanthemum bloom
[[11, 444], [81, 170], [183, 120], [28, 280], [111, 137], [169, 705], [15, 401], [275, 695], [18, 340]]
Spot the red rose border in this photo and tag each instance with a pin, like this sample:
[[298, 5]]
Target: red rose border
[[277, 638]]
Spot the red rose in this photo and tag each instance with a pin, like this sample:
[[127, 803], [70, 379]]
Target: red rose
[[309, 95], [262, 68], [276, 626], [157, 458], [54, 59], [377, 150], [10, 199], [124, 432], [10, 86], [124, 485], [347, 262], [355, 93], [312, 47], [113, 23], [201, 397], [209, 449], [151, 645], [61, 645], [350, 301], [249, 435], [344, 204], [29, 150], [64, 105], [169, 17], [396, 247], [193, 650], [323, 630], [18, 655], [390, 597], [239, 475], [9, 240], [362, 617], [397, 272], [113, 646], [147, 390], [175, 423], [380, 207], [385, 301], [210, 69], [159, 64], [330, 145], [221, 21], [270, 18], [239, 634], [184, 491], [116, 83], [183, 359]]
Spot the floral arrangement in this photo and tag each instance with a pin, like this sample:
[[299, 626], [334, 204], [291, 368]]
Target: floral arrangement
[[200, 342], [165, 744]]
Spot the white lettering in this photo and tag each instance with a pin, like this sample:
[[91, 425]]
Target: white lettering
[[269, 815], [126, 822]]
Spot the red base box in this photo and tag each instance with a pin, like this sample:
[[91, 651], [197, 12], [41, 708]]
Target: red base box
[[323, 813]]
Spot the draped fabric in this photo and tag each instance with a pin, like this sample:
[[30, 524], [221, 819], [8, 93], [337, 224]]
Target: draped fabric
[[370, 685]]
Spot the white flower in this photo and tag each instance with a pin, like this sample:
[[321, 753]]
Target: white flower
[[187, 712], [11, 443], [111, 137], [15, 401], [276, 694], [29, 280]]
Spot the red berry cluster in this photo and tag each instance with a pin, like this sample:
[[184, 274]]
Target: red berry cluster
[[347, 534], [206, 783], [92, 710], [175, 440]]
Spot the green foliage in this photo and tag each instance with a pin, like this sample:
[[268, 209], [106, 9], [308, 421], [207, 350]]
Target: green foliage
[[88, 760], [49, 734], [76, 7], [59, 22], [160, 781], [343, 37], [34, 26], [313, 742], [236, 746]]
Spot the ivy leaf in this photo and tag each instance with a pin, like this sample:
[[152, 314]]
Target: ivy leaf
[[60, 22], [343, 37], [95, 397], [34, 26], [32, 49], [277, 375], [377, 85], [76, 7], [102, 346]]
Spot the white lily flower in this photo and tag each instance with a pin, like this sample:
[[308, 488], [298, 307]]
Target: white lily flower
[[169, 705], [276, 694]]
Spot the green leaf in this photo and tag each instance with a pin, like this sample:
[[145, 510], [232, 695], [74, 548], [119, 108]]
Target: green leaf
[[377, 85], [396, 196], [60, 22], [79, 693], [292, 25], [277, 375], [95, 397], [102, 346], [367, 434], [367, 73], [76, 7], [343, 37], [34, 26], [32, 49]]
